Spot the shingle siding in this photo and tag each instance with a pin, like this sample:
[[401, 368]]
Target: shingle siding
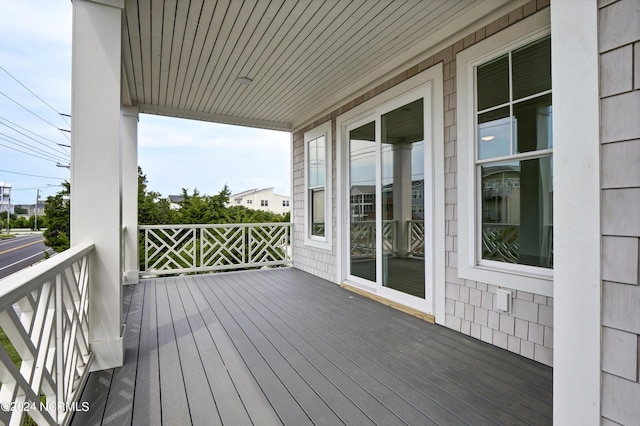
[[469, 305], [619, 43]]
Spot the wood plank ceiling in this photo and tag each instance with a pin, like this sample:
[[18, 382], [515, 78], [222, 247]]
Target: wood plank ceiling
[[184, 58]]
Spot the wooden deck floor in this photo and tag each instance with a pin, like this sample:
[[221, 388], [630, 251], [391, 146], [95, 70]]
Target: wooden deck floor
[[281, 346]]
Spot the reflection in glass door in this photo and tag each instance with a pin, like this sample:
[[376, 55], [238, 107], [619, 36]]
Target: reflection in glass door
[[362, 202], [387, 200], [402, 194]]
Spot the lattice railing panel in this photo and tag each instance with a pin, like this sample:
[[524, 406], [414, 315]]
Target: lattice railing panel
[[199, 248], [416, 237], [268, 244], [389, 236], [500, 243], [170, 248], [45, 319], [222, 247], [363, 239]]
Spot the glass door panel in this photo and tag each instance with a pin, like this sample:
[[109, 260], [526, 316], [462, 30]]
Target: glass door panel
[[362, 202], [402, 193]]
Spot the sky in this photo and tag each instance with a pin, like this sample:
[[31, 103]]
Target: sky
[[35, 89]]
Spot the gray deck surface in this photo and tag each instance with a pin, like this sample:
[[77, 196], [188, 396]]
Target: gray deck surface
[[281, 346]]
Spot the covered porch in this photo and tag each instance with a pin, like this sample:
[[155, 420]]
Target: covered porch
[[281, 346]]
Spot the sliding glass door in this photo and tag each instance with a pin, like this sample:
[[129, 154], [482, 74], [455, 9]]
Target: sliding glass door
[[387, 199], [402, 192]]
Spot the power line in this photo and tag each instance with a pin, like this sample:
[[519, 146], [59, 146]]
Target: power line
[[38, 176], [54, 153], [25, 152], [33, 93], [38, 151], [33, 113], [36, 187], [33, 133]]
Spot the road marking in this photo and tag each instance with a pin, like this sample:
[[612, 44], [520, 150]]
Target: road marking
[[20, 261], [22, 246]]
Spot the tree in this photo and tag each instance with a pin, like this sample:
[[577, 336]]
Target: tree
[[57, 209], [152, 210]]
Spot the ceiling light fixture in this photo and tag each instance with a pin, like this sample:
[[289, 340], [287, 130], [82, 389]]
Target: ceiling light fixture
[[244, 81], [488, 138]]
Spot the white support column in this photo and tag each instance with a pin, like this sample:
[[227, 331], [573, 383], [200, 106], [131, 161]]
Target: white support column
[[130, 193], [402, 195], [576, 180], [96, 196]]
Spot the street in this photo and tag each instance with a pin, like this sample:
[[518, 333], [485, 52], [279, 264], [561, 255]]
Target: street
[[20, 252]]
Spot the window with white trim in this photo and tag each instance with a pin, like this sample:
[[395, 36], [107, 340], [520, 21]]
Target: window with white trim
[[317, 152], [505, 161], [514, 156], [285, 203], [264, 203]]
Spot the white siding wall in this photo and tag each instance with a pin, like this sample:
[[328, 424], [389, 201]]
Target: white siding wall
[[619, 45]]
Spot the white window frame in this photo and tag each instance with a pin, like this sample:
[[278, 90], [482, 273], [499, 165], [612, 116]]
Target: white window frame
[[519, 277], [316, 241]]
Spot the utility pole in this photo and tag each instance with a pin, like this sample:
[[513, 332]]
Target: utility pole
[[35, 226]]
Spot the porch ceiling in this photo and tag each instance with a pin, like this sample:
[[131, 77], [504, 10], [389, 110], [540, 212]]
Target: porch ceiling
[[304, 57]]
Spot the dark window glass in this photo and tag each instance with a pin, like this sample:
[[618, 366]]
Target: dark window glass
[[532, 69], [493, 83]]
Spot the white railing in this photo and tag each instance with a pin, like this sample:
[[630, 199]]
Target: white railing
[[170, 249], [363, 238], [416, 237], [44, 315]]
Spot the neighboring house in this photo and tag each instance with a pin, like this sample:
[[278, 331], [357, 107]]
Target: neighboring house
[[174, 201], [261, 199], [5, 196], [379, 95], [31, 209]]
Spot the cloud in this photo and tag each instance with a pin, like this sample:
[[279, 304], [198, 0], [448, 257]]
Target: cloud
[[177, 153]]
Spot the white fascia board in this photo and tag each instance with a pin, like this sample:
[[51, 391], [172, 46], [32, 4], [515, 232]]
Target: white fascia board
[[214, 118]]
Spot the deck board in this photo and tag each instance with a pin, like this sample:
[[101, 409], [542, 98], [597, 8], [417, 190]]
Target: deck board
[[173, 395], [486, 391], [119, 407], [427, 345], [201, 405], [146, 409], [280, 346]]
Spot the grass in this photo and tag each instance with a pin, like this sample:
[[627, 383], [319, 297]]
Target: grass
[[6, 236], [15, 357], [9, 349]]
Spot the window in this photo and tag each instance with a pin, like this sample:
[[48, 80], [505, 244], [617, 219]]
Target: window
[[249, 201], [513, 156], [285, 203], [317, 143], [264, 203], [505, 161], [239, 201]]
